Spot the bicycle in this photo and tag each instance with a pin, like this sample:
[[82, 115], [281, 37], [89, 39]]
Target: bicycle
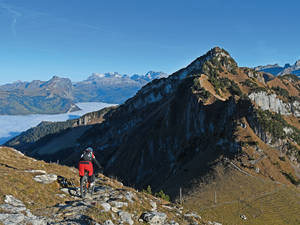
[[85, 185]]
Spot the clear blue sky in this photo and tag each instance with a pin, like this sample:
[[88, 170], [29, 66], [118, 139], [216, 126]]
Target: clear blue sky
[[74, 38]]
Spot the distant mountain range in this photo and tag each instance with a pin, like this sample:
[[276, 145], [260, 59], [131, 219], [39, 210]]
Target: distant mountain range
[[59, 95], [111, 87], [276, 70]]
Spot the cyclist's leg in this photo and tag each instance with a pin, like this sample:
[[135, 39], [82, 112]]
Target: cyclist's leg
[[92, 178]]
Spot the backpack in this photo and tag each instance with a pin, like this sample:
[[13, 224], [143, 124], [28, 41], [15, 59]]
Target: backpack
[[87, 156]]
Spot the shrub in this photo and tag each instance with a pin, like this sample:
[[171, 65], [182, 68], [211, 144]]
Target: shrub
[[291, 178], [162, 195], [148, 190], [280, 91]]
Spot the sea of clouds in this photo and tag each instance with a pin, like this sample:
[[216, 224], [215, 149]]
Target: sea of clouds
[[11, 126]]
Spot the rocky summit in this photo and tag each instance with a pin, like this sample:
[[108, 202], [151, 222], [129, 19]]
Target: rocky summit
[[216, 137]]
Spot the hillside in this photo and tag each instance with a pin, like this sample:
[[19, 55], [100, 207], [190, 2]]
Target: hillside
[[59, 95], [32, 194], [36, 136], [50, 97], [203, 125]]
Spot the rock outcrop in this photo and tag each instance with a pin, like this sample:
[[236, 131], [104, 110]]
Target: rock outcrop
[[272, 103]]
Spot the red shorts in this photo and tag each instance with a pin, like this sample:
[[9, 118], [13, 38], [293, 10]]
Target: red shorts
[[85, 165]]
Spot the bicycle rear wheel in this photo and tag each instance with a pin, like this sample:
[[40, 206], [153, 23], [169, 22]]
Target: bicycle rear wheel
[[84, 185]]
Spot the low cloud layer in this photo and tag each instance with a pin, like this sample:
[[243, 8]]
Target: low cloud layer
[[11, 126]]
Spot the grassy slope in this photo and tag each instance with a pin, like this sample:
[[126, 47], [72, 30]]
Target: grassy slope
[[20, 184], [233, 193], [262, 201]]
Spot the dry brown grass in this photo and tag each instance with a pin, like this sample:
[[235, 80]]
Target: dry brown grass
[[270, 166], [233, 193], [17, 182], [287, 85]]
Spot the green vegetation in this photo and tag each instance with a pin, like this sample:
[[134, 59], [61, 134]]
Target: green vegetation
[[293, 150], [284, 93], [291, 178], [36, 133], [253, 86], [200, 91], [291, 77], [274, 124], [250, 83], [17, 103], [282, 158], [280, 91], [225, 84], [159, 194], [162, 195]]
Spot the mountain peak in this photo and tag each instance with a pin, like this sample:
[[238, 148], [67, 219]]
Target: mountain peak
[[217, 51], [55, 78], [215, 59]]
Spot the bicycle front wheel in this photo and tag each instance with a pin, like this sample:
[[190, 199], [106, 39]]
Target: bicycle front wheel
[[83, 185]]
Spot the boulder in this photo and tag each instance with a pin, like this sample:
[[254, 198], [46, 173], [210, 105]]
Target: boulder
[[45, 178], [193, 215], [125, 217], [153, 205], [118, 204], [108, 222], [36, 171], [154, 218], [9, 199], [106, 206]]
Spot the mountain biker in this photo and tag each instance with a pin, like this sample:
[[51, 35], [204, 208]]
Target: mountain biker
[[86, 164]]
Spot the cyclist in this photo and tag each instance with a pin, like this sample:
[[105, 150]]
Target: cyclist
[[86, 164]]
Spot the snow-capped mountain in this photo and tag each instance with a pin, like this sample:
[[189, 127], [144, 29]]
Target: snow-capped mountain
[[112, 87]]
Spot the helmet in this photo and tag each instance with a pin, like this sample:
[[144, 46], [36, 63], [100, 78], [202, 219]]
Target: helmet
[[89, 149]]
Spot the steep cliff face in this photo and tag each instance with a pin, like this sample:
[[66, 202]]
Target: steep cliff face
[[272, 103]]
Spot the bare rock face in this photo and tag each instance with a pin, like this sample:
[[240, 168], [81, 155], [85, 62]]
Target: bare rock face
[[274, 104]]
